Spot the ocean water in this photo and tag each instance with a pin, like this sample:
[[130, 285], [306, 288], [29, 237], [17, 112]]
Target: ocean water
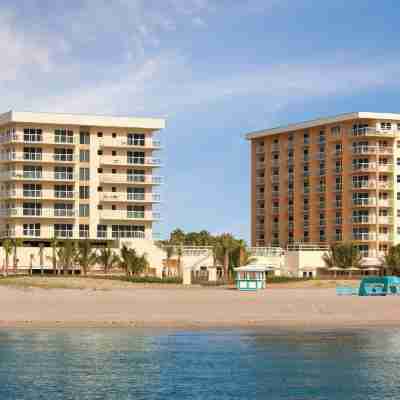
[[156, 364]]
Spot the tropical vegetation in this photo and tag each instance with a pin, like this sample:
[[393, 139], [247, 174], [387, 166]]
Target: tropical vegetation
[[391, 260], [343, 255]]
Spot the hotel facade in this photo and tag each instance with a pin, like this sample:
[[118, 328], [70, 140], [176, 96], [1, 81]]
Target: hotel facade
[[326, 181], [78, 176]]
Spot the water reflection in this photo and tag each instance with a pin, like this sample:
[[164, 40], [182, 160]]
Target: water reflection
[[134, 364]]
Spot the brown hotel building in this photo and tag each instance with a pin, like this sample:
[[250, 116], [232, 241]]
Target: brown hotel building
[[328, 180]]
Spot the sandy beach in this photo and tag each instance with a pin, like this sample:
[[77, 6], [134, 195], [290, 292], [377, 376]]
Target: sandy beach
[[124, 304]]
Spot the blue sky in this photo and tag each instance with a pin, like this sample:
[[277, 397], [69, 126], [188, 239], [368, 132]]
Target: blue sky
[[215, 69]]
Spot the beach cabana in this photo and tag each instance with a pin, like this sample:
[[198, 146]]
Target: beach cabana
[[379, 286], [252, 277]]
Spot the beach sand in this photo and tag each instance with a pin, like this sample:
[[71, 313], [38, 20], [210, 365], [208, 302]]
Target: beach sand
[[124, 304]]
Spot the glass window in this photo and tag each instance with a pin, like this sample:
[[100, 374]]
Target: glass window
[[83, 192], [84, 155], [63, 230], [63, 136], [31, 230], [84, 174], [102, 231], [83, 210], [83, 231], [136, 139], [84, 137], [62, 154], [32, 135]]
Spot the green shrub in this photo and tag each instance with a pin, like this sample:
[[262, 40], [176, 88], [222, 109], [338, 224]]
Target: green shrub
[[285, 279]]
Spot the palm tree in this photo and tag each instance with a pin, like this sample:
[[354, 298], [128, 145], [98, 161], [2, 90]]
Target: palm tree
[[343, 255], [85, 256], [169, 253], [131, 262], [391, 260], [66, 255], [41, 258], [54, 245], [179, 253], [31, 258], [107, 258], [125, 260], [16, 243], [7, 245]]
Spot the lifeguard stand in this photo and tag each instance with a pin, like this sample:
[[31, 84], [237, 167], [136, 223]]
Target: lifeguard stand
[[251, 277]]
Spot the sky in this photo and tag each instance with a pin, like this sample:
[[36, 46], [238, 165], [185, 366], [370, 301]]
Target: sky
[[215, 69]]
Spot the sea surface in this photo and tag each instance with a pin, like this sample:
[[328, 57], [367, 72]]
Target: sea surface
[[157, 364]]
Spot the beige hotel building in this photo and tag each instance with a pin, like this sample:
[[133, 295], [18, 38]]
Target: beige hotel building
[[78, 176], [328, 180]]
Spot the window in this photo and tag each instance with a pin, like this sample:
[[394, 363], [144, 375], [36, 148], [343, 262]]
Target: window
[[64, 173], [136, 139], [114, 135], [63, 230], [63, 210], [83, 192], [63, 136], [137, 193], [99, 152], [63, 191], [102, 231], [32, 209], [135, 157], [135, 211], [113, 207], [113, 153], [83, 210], [99, 170], [100, 207], [32, 153], [84, 137], [83, 231], [113, 189], [386, 126], [335, 130], [84, 155], [99, 189], [113, 171], [31, 230], [32, 135], [62, 154], [32, 190], [398, 195], [99, 134], [128, 231], [84, 174]]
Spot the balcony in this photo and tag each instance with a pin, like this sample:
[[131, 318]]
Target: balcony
[[371, 132], [275, 178], [130, 215], [130, 197], [37, 213], [260, 180], [260, 165], [42, 176], [337, 153], [372, 167], [371, 236], [260, 212], [124, 142], [337, 170], [127, 161], [44, 139], [372, 185], [371, 150], [260, 150], [275, 148], [37, 157], [261, 196], [131, 179], [371, 202]]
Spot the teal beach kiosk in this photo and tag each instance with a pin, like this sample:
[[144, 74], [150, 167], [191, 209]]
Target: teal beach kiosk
[[251, 277], [379, 286]]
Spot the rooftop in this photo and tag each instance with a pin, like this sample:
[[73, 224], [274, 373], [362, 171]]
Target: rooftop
[[80, 120], [322, 121]]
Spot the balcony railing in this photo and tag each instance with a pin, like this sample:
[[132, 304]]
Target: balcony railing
[[37, 212], [124, 214], [370, 131], [44, 138], [142, 161], [120, 196], [367, 150], [42, 157], [372, 167], [130, 178], [372, 185]]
